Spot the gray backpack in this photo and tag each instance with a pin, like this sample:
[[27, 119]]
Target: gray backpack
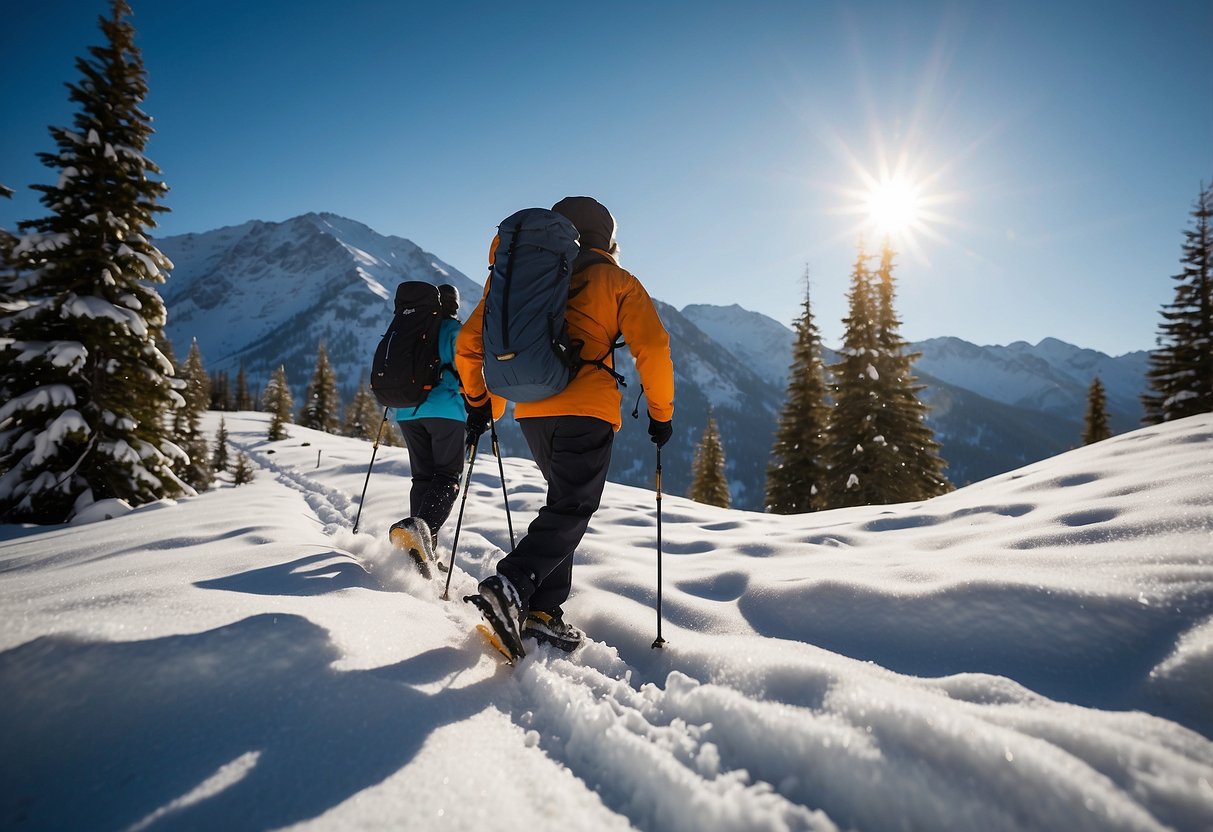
[[527, 353]]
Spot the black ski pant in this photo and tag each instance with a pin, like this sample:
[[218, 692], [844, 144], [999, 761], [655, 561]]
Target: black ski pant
[[436, 456], [573, 454]]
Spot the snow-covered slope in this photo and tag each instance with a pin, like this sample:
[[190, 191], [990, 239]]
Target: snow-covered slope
[[1034, 652]]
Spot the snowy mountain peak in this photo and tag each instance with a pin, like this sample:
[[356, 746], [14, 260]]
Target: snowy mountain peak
[[264, 293]]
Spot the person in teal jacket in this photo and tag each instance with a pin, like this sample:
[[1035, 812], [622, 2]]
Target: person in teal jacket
[[434, 433]]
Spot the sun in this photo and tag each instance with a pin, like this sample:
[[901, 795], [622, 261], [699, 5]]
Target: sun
[[896, 202], [894, 207]]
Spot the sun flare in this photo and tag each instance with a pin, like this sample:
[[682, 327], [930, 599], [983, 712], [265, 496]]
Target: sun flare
[[896, 202], [893, 207]]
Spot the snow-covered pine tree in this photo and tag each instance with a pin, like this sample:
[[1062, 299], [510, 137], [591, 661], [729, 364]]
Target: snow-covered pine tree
[[709, 485], [1180, 374], [244, 399], [363, 415], [242, 469], [278, 402], [796, 470], [187, 422], [87, 388], [219, 461], [1095, 421], [852, 434], [908, 460], [322, 405]]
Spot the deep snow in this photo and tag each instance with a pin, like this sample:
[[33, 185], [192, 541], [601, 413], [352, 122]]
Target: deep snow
[[1031, 652]]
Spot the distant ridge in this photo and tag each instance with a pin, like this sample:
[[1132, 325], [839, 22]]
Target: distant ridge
[[266, 293]]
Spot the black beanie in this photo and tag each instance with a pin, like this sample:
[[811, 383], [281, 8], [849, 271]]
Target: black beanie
[[448, 295], [591, 218]]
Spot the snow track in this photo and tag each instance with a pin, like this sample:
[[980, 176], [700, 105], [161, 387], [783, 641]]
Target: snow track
[[1030, 653], [333, 508], [591, 712]]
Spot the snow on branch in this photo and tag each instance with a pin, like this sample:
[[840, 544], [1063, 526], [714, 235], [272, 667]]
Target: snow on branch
[[68, 354], [91, 306], [40, 398]]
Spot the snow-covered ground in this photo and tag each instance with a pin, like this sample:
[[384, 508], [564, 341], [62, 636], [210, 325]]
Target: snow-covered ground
[[1031, 652]]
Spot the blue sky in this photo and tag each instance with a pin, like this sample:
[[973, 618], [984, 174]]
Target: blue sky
[[1060, 145]]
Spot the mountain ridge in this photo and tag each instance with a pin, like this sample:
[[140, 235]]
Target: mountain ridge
[[263, 294]]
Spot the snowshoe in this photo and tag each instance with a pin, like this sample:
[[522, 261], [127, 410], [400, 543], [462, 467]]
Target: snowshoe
[[413, 536], [498, 603], [547, 628]]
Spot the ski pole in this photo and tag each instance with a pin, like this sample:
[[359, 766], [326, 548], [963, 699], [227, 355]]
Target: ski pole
[[505, 495], [660, 642], [467, 481], [374, 450]]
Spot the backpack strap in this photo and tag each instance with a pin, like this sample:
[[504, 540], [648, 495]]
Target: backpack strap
[[589, 257], [575, 360]]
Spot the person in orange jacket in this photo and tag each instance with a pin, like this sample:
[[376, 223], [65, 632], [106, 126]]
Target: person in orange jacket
[[570, 434]]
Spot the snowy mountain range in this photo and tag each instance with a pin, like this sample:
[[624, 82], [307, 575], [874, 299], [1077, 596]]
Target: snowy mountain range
[[263, 294]]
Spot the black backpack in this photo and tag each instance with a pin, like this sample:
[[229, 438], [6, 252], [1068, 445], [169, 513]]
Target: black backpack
[[407, 364]]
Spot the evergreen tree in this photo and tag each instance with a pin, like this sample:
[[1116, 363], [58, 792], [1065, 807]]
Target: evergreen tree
[[879, 448], [86, 388], [1095, 422], [322, 408], [220, 459], [221, 391], [796, 471], [913, 469], [242, 470], [187, 421], [852, 433], [1180, 374], [392, 437], [363, 415], [278, 402], [708, 482], [244, 399]]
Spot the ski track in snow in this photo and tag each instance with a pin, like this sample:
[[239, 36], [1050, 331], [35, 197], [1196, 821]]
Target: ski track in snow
[[332, 508], [594, 714]]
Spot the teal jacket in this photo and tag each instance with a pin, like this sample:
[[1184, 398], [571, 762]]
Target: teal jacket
[[445, 401]]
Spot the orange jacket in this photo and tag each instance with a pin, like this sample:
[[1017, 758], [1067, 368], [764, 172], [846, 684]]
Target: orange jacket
[[612, 302]]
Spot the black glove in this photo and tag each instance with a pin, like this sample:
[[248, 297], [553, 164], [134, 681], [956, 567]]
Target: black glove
[[660, 432], [479, 418]]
